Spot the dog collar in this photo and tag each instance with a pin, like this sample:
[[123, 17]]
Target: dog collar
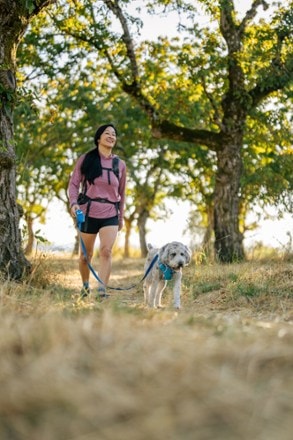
[[166, 270]]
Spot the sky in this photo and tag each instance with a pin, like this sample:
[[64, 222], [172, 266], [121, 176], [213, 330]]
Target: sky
[[155, 25], [59, 229], [60, 232]]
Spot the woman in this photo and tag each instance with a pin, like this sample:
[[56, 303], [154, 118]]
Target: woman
[[102, 203]]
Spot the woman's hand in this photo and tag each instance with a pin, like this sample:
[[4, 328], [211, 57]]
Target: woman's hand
[[120, 225], [73, 209]]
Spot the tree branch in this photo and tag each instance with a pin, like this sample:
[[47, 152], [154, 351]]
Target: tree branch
[[251, 13], [41, 4], [114, 6], [228, 26], [160, 128], [280, 71], [236, 87], [276, 78], [134, 88], [166, 129]]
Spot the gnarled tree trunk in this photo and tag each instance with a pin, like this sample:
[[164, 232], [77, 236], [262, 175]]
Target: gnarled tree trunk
[[14, 19], [12, 261], [228, 239]]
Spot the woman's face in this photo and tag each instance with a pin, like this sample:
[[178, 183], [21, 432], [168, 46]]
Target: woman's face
[[108, 138]]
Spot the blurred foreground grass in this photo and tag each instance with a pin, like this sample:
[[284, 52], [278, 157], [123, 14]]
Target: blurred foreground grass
[[220, 368]]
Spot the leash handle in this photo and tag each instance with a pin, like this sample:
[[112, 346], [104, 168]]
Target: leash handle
[[80, 218]]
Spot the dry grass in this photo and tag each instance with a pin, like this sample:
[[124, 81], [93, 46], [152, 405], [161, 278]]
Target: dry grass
[[221, 368]]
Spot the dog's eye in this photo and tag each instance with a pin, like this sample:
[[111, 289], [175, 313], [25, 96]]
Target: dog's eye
[[173, 254]]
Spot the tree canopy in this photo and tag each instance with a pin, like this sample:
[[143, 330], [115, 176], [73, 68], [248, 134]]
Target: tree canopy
[[211, 104]]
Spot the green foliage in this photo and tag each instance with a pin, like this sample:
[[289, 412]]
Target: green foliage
[[77, 65], [38, 237], [30, 5]]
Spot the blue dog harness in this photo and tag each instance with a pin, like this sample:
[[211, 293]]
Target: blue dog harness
[[167, 271]]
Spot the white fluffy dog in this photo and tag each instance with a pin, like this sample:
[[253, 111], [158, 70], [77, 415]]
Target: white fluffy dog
[[172, 258]]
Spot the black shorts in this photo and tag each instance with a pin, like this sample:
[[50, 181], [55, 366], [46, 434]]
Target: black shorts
[[93, 225]]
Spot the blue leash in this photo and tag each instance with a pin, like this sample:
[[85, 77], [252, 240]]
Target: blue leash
[[94, 272]]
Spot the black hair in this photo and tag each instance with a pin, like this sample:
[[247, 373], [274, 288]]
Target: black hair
[[91, 166]]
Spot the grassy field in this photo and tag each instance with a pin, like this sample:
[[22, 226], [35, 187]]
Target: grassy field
[[221, 368]]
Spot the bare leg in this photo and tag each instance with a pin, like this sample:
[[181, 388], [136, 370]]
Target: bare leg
[[107, 237], [89, 242]]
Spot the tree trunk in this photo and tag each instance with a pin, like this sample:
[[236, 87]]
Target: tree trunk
[[13, 264], [30, 234], [208, 239], [141, 224], [127, 238], [14, 19], [128, 221], [75, 249], [228, 239]]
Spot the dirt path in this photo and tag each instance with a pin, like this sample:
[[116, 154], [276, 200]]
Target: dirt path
[[220, 368]]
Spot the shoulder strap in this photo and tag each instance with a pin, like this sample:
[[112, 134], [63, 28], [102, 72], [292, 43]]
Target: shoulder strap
[[84, 187], [115, 166]]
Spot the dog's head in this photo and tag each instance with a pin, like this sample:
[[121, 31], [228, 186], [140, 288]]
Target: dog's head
[[175, 255]]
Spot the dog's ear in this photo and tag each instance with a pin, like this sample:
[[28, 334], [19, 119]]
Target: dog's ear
[[150, 246]]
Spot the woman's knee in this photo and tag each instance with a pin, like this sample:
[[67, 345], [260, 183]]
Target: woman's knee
[[84, 259], [106, 252]]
